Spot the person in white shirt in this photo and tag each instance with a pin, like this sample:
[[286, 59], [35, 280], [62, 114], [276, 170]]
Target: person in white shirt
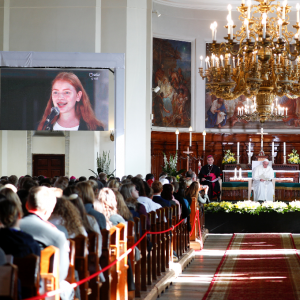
[[262, 182]]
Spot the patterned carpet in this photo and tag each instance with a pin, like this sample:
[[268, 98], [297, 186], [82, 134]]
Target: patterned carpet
[[258, 266]]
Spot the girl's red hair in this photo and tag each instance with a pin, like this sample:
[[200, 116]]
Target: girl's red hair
[[83, 108]]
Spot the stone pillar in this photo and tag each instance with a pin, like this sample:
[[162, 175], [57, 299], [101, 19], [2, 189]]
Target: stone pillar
[[127, 28]]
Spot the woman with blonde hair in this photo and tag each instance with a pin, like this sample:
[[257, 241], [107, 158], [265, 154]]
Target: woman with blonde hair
[[130, 196], [73, 103], [114, 184], [107, 205]]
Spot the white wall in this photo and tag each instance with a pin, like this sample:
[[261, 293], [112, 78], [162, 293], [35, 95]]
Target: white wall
[[83, 152], [127, 29], [52, 25], [48, 145]]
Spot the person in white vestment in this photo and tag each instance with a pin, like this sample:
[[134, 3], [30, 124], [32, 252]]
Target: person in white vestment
[[262, 182]]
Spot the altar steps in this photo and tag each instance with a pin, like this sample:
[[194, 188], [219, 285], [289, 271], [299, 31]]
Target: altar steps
[[193, 283]]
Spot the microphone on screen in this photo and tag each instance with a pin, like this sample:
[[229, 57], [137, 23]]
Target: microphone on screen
[[54, 112]]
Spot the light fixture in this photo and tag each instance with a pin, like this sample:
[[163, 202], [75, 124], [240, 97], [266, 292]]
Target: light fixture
[[157, 13], [156, 90], [112, 135], [259, 61]]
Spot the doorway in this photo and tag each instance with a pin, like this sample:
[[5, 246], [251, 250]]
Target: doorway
[[48, 165]]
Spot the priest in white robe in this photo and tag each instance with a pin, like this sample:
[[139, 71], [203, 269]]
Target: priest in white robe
[[262, 182]]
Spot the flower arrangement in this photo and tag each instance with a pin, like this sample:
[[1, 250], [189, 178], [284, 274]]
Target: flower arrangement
[[252, 207], [103, 163], [228, 158], [170, 167], [294, 157]]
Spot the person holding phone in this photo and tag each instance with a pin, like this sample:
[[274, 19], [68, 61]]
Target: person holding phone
[[75, 110]]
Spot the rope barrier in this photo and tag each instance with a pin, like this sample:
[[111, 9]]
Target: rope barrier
[[172, 228], [76, 284]]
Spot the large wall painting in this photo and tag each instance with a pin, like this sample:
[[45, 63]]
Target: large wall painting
[[222, 114], [171, 106]]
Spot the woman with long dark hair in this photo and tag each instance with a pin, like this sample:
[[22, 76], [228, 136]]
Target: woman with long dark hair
[[75, 110]]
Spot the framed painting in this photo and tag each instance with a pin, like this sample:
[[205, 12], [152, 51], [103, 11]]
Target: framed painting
[[222, 114], [171, 80]]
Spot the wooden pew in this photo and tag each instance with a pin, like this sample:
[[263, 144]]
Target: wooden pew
[[123, 264], [50, 269], [29, 274], [143, 245], [163, 240], [152, 266], [130, 243], [105, 261], [114, 254], [71, 273], [81, 264], [192, 218], [175, 231], [179, 234], [168, 236], [9, 282], [157, 262], [93, 265], [137, 271]]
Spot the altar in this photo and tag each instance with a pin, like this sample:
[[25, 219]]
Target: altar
[[286, 182]]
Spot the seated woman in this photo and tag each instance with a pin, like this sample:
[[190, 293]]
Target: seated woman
[[67, 216], [86, 194], [73, 103], [107, 205], [122, 208], [193, 192], [142, 198], [130, 196], [13, 241]]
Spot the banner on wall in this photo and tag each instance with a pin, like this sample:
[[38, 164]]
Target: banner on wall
[[54, 99], [171, 105]]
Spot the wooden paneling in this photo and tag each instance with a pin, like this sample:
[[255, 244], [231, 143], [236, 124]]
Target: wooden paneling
[[216, 144], [48, 165]]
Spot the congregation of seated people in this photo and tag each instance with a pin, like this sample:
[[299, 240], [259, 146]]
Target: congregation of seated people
[[37, 212]]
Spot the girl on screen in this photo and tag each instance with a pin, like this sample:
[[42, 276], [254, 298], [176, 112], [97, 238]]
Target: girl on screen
[[75, 111]]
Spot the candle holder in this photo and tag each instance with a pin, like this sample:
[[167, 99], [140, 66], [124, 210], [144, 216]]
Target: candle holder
[[249, 157], [284, 159], [238, 159]]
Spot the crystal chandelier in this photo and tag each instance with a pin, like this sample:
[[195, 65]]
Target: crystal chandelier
[[258, 61]]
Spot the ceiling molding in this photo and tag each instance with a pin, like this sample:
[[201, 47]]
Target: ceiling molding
[[219, 5]]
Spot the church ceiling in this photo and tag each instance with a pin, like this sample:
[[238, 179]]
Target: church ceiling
[[211, 4]]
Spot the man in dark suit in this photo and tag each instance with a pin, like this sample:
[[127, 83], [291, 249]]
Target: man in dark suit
[[40, 204]]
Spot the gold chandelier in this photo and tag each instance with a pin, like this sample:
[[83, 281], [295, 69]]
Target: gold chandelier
[[258, 61]]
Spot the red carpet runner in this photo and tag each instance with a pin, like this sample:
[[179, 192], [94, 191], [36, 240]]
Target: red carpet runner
[[258, 266]]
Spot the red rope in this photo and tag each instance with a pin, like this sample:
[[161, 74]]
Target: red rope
[[76, 284], [159, 232]]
